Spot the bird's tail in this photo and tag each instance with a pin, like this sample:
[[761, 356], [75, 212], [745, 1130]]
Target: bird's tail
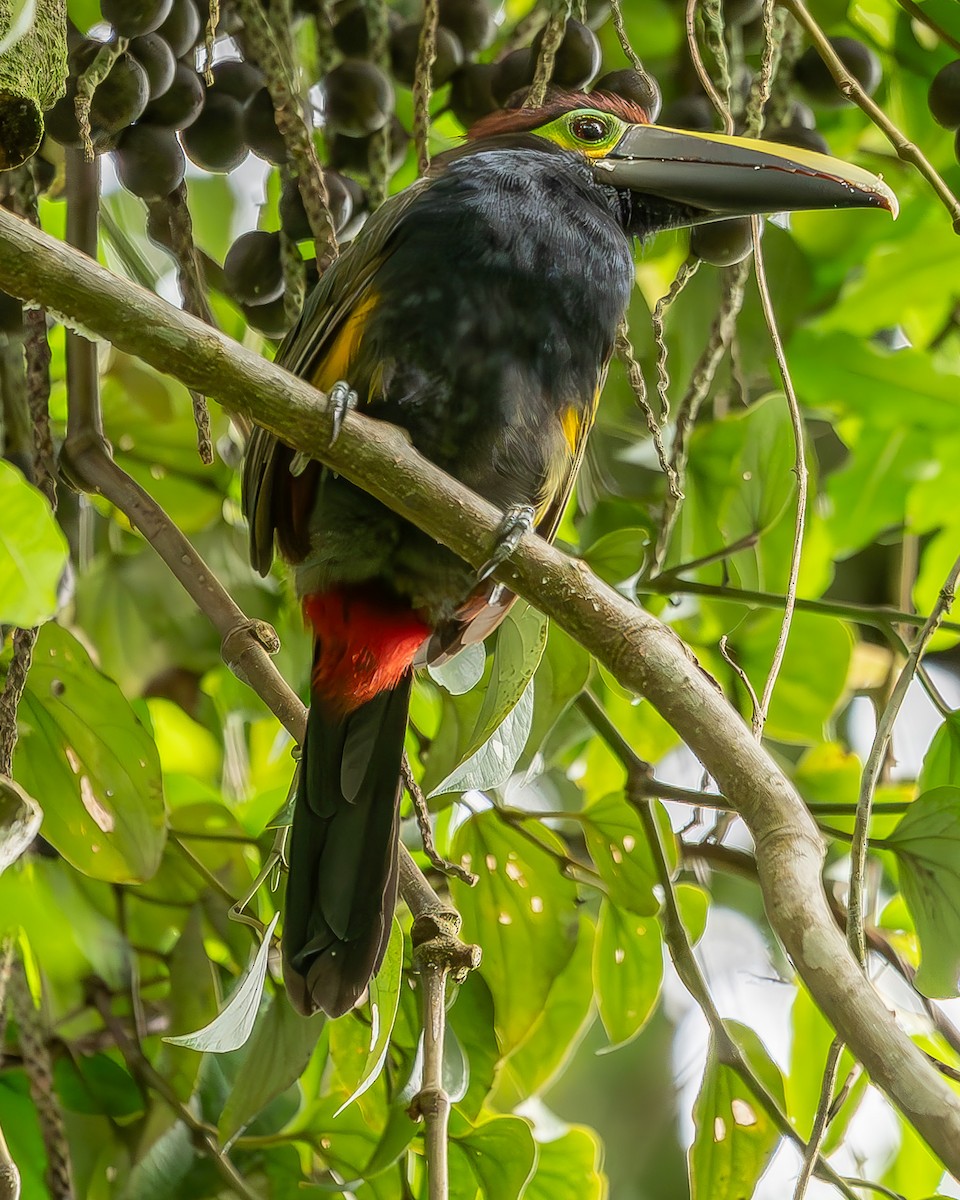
[[342, 883]]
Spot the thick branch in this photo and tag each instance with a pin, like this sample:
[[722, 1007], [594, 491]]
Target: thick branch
[[640, 652]]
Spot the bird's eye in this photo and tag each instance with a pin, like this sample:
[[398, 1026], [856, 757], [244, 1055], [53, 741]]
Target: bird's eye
[[590, 129]]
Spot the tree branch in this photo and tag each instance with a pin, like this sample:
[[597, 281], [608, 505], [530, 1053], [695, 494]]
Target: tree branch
[[638, 650]]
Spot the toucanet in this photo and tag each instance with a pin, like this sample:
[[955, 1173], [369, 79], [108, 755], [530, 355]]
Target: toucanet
[[478, 310]]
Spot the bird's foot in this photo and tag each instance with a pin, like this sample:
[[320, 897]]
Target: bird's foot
[[341, 398], [517, 520]]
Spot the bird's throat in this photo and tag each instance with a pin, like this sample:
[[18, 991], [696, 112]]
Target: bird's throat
[[365, 641]]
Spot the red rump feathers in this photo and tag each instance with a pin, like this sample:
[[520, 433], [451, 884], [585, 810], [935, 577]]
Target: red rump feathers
[[365, 641]]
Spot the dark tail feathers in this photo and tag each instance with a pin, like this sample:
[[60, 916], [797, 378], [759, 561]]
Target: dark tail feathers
[[342, 885]]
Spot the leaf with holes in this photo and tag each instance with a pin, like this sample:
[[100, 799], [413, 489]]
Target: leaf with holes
[[620, 851], [627, 971], [90, 763], [523, 912], [734, 1138]]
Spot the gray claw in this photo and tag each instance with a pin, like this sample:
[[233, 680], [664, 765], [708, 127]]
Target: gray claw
[[342, 398], [517, 520]]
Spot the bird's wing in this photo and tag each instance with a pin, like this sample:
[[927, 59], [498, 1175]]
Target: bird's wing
[[488, 605], [323, 349]]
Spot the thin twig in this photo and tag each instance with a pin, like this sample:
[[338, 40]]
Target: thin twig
[[871, 768], [549, 45], [685, 272], [703, 74], [625, 352], [921, 15], [850, 88], [150, 1079], [173, 213], [721, 333], [800, 470], [678, 941], [631, 55], [421, 812], [423, 82], [437, 953], [822, 1118], [39, 1067], [270, 51]]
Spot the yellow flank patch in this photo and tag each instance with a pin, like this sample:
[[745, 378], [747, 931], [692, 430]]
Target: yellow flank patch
[[570, 424], [338, 361]]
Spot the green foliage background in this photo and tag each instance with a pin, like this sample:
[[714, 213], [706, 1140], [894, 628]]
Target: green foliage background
[[160, 775]]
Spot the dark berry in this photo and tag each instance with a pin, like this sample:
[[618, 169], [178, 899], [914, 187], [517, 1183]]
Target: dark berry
[[181, 103], [471, 20], [215, 139], [514, 71], [153, 53], [150, 161], [182, 28], [132, 18], [270, 319], [358, 98], [405, 44], [351, 33], [944, 96], [260, 128], [722, 243], [860, 61], [353, 154], [578, 55], [471, 95], [636, 86], [798, 135], [689, 112], [293, 215], [119, 100], [253, 268], [236, 78]]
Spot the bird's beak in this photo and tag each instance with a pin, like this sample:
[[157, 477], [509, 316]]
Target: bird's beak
[[715, 176]]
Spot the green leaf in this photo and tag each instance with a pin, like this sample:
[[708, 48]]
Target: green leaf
[[90, 763], [558, 1031], [734, 1137], [194, 995], [96, 1084], [276, 1056], [927, 845], [847, 376], [463, 672], [810, 1044], [33, 552], [621, 853], [520, 643], [569, 1168], [492, 763], [941, 763], [231, 1027], [618, 556], [627, 971], [471, 1018], [522, 912], [384, 1001], [498, 1157]]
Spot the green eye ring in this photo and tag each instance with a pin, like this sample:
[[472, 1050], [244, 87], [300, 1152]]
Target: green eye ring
[[589, 131], [590, 128]]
